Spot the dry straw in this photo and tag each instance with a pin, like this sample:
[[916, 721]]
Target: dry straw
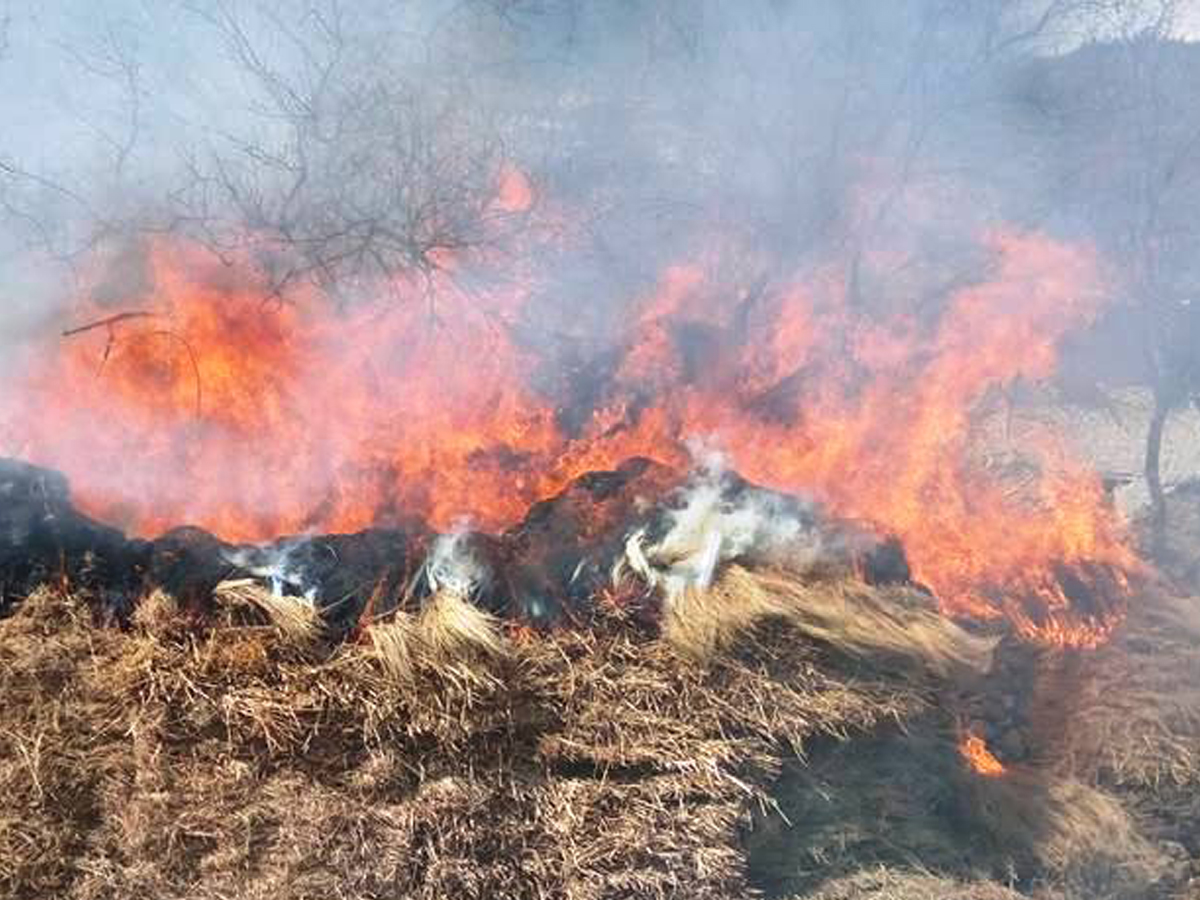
[[444, 755], [295, 617], [844, 613]]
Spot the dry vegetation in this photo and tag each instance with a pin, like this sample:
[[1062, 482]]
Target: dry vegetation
[[886, 884], [871, 622], [446, 754], [1137, 721], [233, 760]]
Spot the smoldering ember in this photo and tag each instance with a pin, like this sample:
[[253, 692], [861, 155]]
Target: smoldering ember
[[549, 449]]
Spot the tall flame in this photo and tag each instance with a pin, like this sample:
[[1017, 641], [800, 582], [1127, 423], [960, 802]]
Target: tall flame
[[226, 407]]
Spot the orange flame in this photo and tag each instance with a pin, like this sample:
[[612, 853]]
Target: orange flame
[[253, 417], [979, 757]]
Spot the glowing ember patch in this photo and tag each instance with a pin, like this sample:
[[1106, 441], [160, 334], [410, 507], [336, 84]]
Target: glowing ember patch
[[979, 757]]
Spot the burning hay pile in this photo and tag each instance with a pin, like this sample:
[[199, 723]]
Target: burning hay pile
[[733, 710]]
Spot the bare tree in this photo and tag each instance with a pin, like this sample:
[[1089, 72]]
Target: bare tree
[[1129, 138], [63, 209], [357, 172]]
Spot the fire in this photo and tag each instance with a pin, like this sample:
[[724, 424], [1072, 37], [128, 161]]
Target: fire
[[254, 415], [884, 433], [979, 757], [257, 418]]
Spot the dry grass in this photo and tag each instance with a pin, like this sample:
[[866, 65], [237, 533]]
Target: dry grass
[[452, 628], [896, 884], [1137, 718], [447, 755], [845, 614], [392, 644], [237, 761], [157, 613], [448, 635], [906, 799], [1134, 729], [1072, 836], [294, 617]]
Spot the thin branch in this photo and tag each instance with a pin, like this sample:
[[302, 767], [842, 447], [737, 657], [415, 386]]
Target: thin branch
[[108, 322]]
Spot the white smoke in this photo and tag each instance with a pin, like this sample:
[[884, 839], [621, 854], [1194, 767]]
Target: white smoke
[[277, 564], [453, 565], [720, 520]]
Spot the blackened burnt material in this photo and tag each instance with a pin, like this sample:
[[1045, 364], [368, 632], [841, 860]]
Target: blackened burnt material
[[349, 577], [188, 563], [562, 552], [43, 538], [547, 570]]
